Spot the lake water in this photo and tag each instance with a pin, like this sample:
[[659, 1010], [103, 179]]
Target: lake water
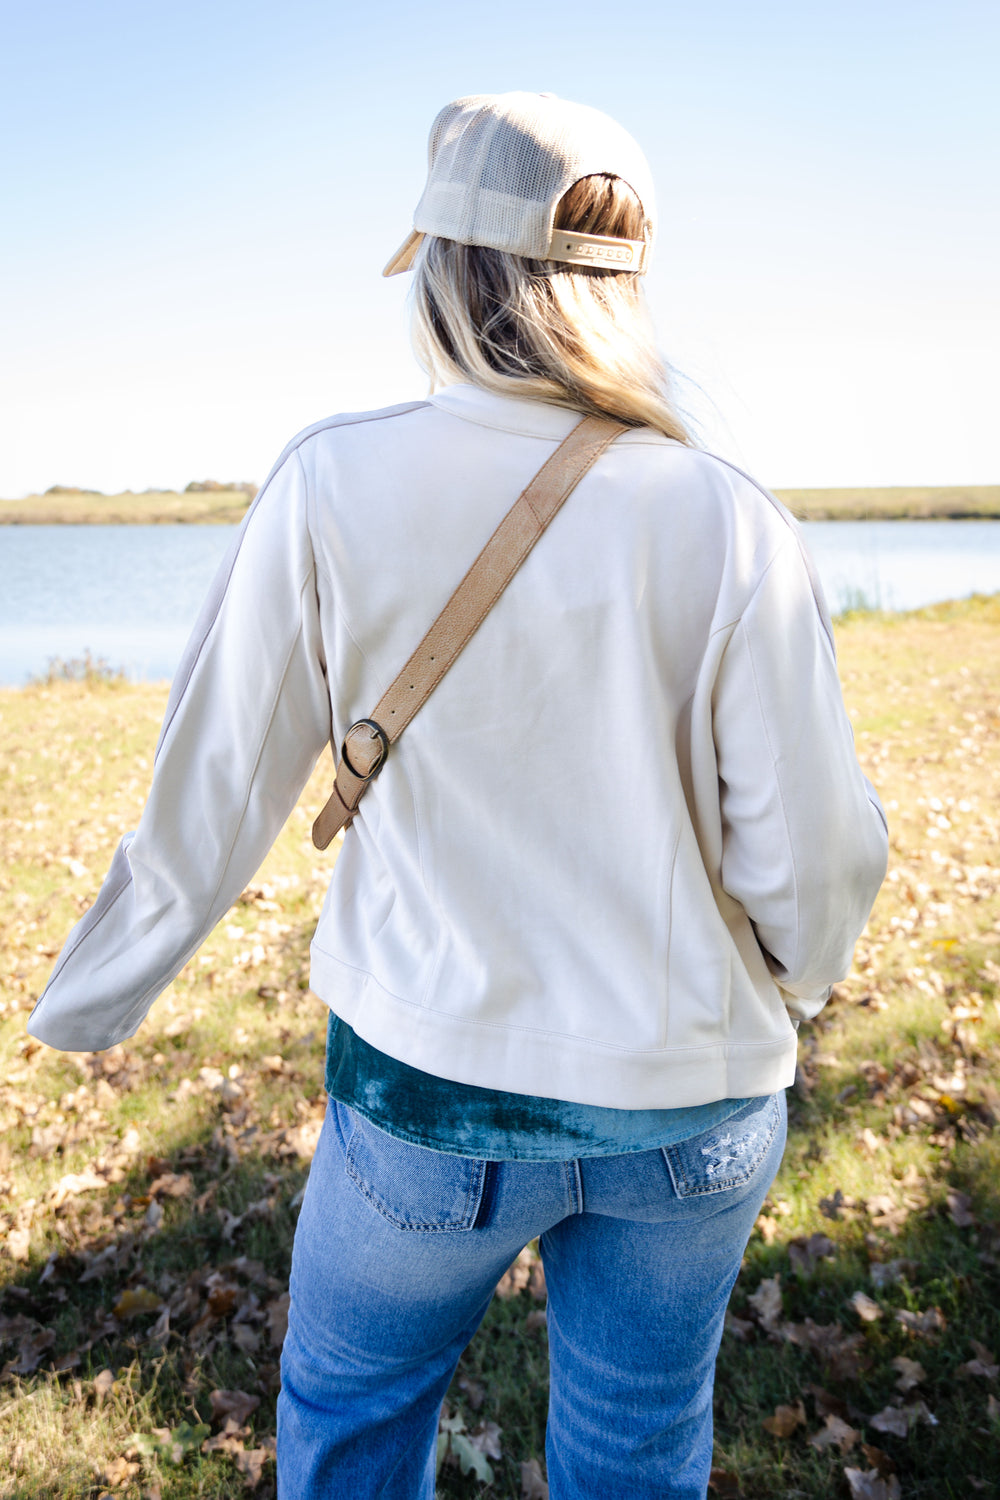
[[130, 594]]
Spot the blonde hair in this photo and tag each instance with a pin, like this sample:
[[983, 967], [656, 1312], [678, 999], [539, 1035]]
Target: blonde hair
[[570, 335]]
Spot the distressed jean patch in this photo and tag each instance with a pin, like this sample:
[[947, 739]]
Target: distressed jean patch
[[729, 1154]]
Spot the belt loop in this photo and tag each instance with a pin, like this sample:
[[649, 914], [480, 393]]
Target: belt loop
[[574, 1185]]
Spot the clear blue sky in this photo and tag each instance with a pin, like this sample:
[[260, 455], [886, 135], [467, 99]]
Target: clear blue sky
[[198, 199]]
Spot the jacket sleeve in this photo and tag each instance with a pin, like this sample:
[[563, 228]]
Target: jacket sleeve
[[247, 717], [805, 842]]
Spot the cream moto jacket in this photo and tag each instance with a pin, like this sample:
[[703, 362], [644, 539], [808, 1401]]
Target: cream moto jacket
[[622, 849]]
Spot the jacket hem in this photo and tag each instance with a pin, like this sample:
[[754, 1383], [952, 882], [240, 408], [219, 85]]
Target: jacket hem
[[519, 1060]]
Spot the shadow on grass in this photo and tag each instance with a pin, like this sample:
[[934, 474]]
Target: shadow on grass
[[172, 1280], [213, 1270]]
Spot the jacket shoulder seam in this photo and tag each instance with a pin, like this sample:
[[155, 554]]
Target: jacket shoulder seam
[[792, 526], [344, 419]]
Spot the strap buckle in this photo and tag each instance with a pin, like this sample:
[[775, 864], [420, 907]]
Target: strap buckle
[[371, 746]]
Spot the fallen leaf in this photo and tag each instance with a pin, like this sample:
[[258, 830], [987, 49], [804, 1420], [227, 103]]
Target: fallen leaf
[[885, 1213], [160, 1331], [31, 1349], [919, 1411], [303, 1139], [15, 1327], [184, 1439], [835, 1432], [517, 1277], [826, 1404], [470, 1459], [839, 1206], [230, 1223], [245, 1338], [119, 1471], [223, 1296], [18, 1244], [486, 1437], [235, 1404], [892, 1419], [766, 1303], [924, 1324], [739, 1328], [533, 1486], [911, 1372], [878, 1459], [840, 1351], [134, 1302], [785, 1420], [805, 1254], [768, 1231], [277, 1319], [229, 1440], [724, 1483], [869, 1485], [475, 1391], [900, 1419], [866, 1307], [251, 1463], [984, 1364], [889, 1272], [173, 1185]]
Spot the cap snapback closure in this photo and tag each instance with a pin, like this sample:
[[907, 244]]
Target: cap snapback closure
[[603, 251]]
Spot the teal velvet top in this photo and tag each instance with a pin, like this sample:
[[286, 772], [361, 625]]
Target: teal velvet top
[[466, 1120]]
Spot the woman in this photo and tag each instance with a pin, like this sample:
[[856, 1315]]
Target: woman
[[620, 853]]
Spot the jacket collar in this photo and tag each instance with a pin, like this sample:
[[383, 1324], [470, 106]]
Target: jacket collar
[[507, 413]]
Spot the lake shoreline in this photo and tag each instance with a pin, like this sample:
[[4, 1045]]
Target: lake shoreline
[[228, 507]]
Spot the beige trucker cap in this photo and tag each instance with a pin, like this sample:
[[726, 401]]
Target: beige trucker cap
[[498, 165]]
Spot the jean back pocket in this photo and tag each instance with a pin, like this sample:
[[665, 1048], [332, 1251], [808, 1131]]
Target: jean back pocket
[[729, 1154], [411, 1186]]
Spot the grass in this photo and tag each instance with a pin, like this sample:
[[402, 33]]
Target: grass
[[896, 503], [85, 668], [945, 502], [152, 508], [130, 1298]]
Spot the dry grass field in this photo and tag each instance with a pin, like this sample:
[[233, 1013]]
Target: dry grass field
[[899, 503], [919, 503], [148, 1194], [152, 508]]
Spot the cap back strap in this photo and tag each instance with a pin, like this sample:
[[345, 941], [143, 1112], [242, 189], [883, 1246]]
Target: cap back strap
[[366, 743], [599, 250]]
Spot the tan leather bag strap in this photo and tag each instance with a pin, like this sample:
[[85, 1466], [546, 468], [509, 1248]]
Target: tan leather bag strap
[[366, 743]]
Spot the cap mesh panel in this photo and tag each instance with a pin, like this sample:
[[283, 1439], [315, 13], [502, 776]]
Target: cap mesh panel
[[500, 163]]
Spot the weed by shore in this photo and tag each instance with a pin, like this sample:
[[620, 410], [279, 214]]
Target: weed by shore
[[149, 1193]]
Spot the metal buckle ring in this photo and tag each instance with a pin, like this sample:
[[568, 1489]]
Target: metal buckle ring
[[378, 733]]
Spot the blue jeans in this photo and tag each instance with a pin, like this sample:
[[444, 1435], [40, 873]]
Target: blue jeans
[[398, 1250]]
